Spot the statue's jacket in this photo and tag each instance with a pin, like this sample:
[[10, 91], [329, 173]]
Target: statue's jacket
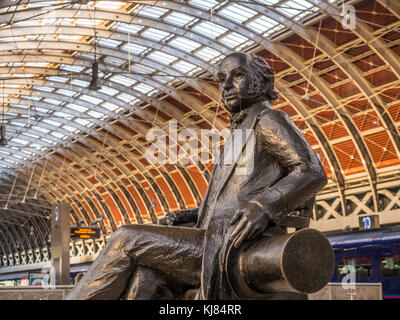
[[275, 167]]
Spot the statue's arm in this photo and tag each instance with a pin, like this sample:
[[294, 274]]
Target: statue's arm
[[306, 176], [180, 217]]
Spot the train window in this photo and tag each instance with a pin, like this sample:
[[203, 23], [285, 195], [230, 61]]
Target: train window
[[362, 266], [390, 266]]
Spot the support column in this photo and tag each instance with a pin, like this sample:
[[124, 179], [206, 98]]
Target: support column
[[60, 238]]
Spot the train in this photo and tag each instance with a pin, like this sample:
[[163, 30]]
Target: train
[[372, 255]]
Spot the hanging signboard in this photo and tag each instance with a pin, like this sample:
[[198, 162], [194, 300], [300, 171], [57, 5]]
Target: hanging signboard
[[84, 232]]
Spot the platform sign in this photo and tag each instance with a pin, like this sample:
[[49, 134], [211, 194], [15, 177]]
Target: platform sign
[[369, 222], [85, 232]]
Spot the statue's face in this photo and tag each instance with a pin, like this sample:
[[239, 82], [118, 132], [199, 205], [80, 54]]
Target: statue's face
[[235, 78]]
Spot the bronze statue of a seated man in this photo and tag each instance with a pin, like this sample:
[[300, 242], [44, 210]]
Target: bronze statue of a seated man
[[158, 261]]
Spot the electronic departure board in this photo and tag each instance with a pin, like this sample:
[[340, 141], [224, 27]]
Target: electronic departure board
[[85, 232]]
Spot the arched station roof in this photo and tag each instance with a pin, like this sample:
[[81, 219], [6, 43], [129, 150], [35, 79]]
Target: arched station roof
[[157, 66]]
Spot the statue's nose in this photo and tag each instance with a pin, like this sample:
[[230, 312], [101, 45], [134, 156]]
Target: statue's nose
[[227, 84]]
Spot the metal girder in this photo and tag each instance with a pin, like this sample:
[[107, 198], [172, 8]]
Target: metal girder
[[117, 36], [378, 46], [391, 5], [60, 165], [121, 17], [101, 138], [92, 132], [65, 99], [61, 184], [37, 221], [330, 97], [81, 103], [22, 231]]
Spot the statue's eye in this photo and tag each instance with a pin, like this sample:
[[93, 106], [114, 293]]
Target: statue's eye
[[222, 78], [239, 74]]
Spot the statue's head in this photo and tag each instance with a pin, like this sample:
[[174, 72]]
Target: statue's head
[[245, 79]]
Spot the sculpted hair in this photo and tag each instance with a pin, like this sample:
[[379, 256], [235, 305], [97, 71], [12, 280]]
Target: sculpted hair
[[263, 82]]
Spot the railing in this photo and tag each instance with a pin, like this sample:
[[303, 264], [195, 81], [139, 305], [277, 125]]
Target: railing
[[34, 293], [81, 251]]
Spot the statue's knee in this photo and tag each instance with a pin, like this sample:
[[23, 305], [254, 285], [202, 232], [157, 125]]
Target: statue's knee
[[120, 233]]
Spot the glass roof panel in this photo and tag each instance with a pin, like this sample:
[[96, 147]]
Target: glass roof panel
[[58, 79], [51, 122], [37, 128], [178, 18], [70, 128], [110, 106], [162, 57], [91, 99], [108, 5], [209, 29], [18, 124], [81, 121], [62, 115], [237, 12], [207, 54], [150, 11], [294, 7], [143, 88], [126, 97], [107, 90], [233, 40], [95, 114], [65, 92], [53, 101], [155, 34], [20, 141], [261, 24], [80, 83], [30, 135], [184, 44], [57, 134], [73, 68], [108, 43], [114, 61], [141, 69], [184, 66], [76, 107], [123, 80], [35, 98], [133, 48], [204, 4], [127, 28]]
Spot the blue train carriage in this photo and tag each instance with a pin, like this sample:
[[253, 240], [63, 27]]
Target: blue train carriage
[[373, 255]]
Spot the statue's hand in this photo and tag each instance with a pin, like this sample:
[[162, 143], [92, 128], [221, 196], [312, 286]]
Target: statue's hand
[[170, 219], [253, 221]]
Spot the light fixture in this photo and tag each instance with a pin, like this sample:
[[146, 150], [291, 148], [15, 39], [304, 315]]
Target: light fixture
[[3, 139], [94, 85]]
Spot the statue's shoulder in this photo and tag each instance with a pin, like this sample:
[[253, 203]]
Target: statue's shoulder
[[270, 118]]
